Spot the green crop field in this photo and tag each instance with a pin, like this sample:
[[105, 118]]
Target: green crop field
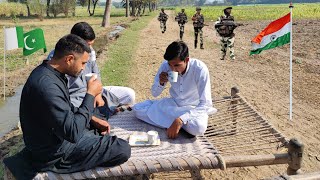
[[259, 12]]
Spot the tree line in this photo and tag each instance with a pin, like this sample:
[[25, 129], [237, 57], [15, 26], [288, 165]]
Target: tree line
[[55, 7]]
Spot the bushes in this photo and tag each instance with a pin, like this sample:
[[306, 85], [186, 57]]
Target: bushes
[[12, 9], [38, 8]]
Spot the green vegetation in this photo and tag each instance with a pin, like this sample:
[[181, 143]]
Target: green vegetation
[[19, 9], [120, 54], [12, 9], [259, 12], [115, 12], [54, 28]]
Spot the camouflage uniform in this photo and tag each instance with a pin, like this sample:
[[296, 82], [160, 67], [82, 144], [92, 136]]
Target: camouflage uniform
[[198, 23], [225, 27], [163, 17], [181, 18]]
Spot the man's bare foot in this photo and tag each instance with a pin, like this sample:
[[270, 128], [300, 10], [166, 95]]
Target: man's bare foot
[[122, 108]]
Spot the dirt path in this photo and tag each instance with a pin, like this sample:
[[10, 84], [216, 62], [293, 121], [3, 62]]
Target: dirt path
[[262, 80]]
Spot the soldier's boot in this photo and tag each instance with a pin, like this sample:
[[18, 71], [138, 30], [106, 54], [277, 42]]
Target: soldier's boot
[[222, 56], [201, 46], [195, 44]]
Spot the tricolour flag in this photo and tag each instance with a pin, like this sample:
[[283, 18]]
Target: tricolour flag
[[13, 38], [33, 41], [277, 33]]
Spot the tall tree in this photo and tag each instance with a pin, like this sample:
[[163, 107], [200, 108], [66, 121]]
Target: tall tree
[[94, 6], [127, 8], [133, 6], [48, 8], [106, 16]]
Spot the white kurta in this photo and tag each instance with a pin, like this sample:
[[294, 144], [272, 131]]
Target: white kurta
[[190, 99]]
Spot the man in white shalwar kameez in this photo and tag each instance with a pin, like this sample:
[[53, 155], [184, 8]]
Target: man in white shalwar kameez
[[190, 102]]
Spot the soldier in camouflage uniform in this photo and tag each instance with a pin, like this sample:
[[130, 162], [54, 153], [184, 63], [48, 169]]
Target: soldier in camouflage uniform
[[225, 27], [198, 23], [181, 18], [163, 17]]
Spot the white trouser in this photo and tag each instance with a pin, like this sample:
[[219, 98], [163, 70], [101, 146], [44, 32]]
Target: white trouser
[[163, 116], [125, 95]]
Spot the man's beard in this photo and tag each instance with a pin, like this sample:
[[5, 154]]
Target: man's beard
[[76, 75]]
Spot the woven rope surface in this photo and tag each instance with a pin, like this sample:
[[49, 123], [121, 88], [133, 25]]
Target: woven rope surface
[[172, 154], [237, 128]]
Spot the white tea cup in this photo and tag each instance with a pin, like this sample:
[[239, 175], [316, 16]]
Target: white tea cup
[[89, 75], [152, 136], [173, 76]]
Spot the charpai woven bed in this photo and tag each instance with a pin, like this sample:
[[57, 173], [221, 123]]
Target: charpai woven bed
[[235, 129]]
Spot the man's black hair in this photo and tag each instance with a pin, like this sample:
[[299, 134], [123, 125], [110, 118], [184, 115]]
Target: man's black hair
[[70, 44], [84, 30], [176, 49]]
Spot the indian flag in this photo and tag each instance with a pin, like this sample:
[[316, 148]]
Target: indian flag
[[13, 38], [277, 33]]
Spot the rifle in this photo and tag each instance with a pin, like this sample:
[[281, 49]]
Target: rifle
[[241, 24]]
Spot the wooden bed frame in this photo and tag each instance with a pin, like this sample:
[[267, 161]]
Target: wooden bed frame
[[236, 128]]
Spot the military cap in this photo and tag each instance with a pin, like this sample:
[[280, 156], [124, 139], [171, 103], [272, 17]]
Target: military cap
[[198, 8], [162, 9], [228, 8]]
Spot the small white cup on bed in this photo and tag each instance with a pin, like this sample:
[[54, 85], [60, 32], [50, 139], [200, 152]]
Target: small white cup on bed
[[152, 137], [173, 76], [89, 75]]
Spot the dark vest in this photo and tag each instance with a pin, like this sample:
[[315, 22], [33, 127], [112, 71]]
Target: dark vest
[[181, 18], [226, 26], [163, 16]]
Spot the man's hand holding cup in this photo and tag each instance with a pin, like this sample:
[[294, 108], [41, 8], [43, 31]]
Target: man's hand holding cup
[[163, 78], [94, 86]]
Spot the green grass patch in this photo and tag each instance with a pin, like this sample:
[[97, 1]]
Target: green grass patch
[[120, 53], [54, 29], [258, 12]]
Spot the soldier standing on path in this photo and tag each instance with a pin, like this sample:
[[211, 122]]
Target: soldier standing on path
[[198, 23], [163, 17], [181, 18], [225, 27]]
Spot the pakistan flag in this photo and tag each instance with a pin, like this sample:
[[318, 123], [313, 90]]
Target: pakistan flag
[[33, 41]]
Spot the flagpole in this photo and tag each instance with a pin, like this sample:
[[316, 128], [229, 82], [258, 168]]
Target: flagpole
[[4, 66], [290, 113]]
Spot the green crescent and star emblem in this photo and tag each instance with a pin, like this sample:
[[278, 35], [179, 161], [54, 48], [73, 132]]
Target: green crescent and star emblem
[[33, 41]]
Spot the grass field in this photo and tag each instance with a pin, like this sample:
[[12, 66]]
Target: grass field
[[259, 12], [120, 53], [53, 28]]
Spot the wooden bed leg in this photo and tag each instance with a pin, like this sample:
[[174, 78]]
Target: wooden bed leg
[[295, 151], [234, 94], [146, 176], [196, 174]]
